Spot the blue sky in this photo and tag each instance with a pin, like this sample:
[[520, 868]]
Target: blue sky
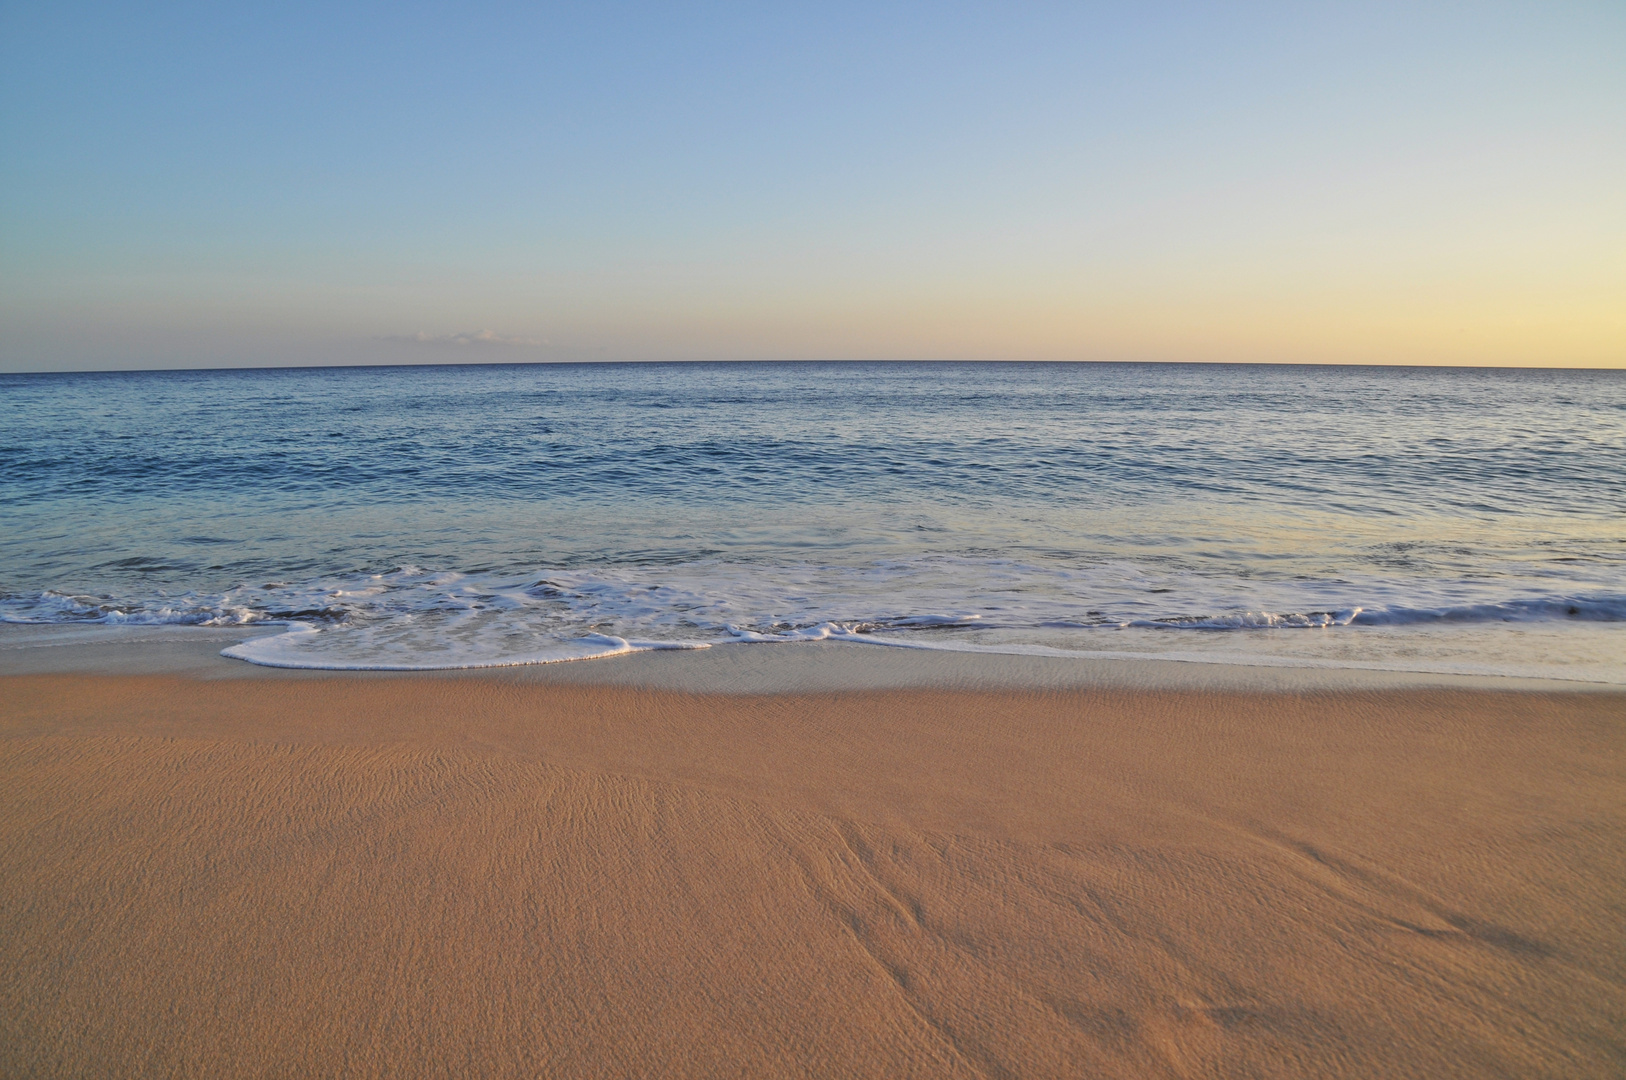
[[221, 185]]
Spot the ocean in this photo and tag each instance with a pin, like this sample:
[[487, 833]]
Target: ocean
[[1439, 520]]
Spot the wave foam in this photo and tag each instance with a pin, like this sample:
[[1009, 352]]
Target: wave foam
[[292, 650], [413, 619]]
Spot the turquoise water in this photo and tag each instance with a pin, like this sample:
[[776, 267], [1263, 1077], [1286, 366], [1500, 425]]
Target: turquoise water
[[1425, 519]]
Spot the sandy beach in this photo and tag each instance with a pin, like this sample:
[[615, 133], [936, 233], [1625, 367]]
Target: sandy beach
[[644, 542], [489, 875]]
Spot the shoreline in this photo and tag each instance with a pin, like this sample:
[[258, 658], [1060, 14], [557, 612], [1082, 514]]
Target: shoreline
[[803, 860], [744, 667]]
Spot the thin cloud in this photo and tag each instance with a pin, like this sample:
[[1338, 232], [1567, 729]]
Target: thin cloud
[[479, 337]]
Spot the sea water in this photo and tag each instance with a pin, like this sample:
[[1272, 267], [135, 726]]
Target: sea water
[[435, 517]]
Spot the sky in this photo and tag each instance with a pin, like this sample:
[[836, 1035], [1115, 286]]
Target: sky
[[247, 185]]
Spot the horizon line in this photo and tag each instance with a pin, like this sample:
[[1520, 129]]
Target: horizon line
[[809, 360]]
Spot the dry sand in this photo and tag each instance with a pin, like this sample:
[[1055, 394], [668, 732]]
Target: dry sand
[[488, 877]]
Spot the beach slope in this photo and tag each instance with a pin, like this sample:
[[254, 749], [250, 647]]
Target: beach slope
[[426, 876]]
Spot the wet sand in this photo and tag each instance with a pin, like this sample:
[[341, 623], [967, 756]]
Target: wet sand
[[500, 876]]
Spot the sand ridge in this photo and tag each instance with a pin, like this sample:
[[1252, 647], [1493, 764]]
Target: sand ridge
[[481, 877]]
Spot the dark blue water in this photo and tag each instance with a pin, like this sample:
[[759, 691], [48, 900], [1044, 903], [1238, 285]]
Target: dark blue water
[[432, 516]]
